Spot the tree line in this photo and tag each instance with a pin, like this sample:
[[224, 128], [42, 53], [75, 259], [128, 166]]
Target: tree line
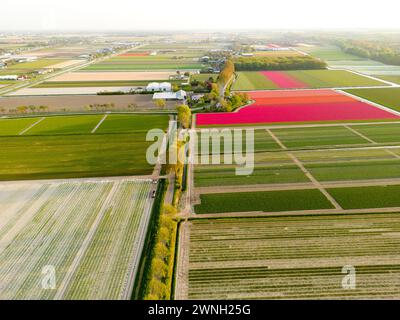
[[371, 50]]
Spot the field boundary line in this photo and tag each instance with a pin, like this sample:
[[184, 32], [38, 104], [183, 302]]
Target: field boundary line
[[359, 134], [85, 244], [277, 140], [31, 126], [392, 153], [315, 181], [380, 106], [99, 124]]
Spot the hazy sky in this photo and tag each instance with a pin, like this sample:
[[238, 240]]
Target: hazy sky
[[196, 14]]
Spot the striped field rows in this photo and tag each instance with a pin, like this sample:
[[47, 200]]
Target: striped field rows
[[90, 233], [295, 257]]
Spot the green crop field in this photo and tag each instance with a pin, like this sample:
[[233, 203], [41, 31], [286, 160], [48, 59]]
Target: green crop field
[[206, 176], [318, 136], [204, 76], [317, 156], [267, 201], [352, 170], [14, 126], [382, 133], [140, 123], [262, 142], [391, 78], [34, 65], [328, 53], [63, 147], [388, 97], [312, 78], [130, 67], [91, 233], [367, 197], [333, 78], [294, 257], [65, 125], [252, 81]]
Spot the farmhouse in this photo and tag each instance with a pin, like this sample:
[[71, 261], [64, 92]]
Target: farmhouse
[[9, 77], [179, 95], [155, 86]]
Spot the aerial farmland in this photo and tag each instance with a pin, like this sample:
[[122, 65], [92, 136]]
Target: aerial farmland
[[96, 203]]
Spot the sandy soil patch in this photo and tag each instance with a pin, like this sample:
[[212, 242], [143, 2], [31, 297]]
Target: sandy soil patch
[[112, 76], [65, 64], [66, 91], [79, 102]]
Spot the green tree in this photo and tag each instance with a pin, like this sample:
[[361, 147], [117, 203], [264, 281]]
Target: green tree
[[184, 115]]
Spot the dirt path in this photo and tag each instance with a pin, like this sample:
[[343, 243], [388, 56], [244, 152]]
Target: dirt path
[[360, 134], [31, 126], [315, 181], [279, 142], [100, 122]]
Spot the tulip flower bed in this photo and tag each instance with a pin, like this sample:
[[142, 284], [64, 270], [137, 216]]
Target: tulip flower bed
[[284, 80], [297, 106]]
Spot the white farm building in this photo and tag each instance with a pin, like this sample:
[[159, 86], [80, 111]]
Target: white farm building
[[155, 86], [179, 95]]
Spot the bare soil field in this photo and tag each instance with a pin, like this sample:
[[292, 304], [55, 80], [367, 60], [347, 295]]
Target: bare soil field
[[112, 76], [65, 64], [67, 91], [78, 102]]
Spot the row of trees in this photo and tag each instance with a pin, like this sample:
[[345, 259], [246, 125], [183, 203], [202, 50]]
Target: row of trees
[[162, 263], [371, 50], [278, 63], [24, 109], [100, 107], [227, 72]]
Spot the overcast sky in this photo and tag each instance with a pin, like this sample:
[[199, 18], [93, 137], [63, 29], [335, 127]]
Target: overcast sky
[[196, 14]]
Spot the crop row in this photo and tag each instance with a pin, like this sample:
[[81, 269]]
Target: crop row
[[294, 257], [53, 226]]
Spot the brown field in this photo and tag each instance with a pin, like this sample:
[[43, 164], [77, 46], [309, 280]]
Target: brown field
[[78, 103], [112, 76], [65, 91], [65, 64]]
